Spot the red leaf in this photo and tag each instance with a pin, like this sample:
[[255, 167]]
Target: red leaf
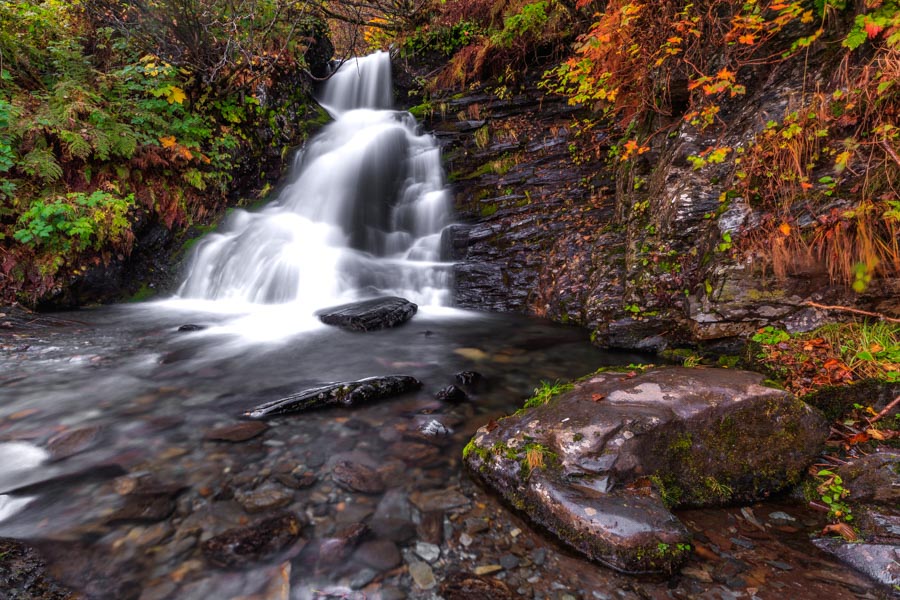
[[872, 28]]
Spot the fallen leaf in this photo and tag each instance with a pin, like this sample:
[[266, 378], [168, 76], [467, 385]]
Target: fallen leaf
[[841, 529], [597, 397]]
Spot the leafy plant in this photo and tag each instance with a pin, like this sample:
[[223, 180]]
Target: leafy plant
[[833, 493], [545, 391]]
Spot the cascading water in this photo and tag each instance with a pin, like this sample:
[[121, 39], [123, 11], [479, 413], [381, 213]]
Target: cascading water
[[362, 217]]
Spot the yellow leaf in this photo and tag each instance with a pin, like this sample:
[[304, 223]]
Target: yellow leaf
[[176, 95], [168, 141], [785, 229], [875, 434]]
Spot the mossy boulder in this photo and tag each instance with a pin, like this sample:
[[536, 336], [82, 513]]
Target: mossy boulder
[[601, 465]]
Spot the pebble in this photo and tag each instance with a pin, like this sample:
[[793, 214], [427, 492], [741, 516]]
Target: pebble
[[487, 569], [509, 561], [781, 518], [238, 432], [381, 555], [422, 575], [539, 556], [264, 499], [465, 539], [427, 552], [356, 477], [363, 578]]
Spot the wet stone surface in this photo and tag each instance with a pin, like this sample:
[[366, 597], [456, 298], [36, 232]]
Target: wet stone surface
[[251, 519]]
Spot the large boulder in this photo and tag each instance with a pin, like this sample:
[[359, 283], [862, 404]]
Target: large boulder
[[600, 465], [369, 315]]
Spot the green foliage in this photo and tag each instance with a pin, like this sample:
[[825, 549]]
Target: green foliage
[[76, 222], [833, 494], [770, 336], [442, 40], [545, 391], [526, 24]]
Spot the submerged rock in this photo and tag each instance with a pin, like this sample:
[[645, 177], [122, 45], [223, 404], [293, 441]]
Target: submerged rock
[[242, 546], [238, 432], [357, 477], [23, 574], [369, 315], [600, 465], [348, 393], [451, 393]]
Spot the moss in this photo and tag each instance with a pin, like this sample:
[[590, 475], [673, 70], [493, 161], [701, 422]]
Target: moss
[[144, 293], [577, 437]]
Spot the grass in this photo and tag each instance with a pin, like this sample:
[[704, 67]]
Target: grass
[[545, 391], [871, 349]]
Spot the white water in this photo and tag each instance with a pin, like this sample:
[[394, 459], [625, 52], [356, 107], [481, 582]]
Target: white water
[[363, 217], [18, 461]]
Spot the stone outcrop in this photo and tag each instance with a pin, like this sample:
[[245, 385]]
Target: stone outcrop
[[599, 466], [369, 315]]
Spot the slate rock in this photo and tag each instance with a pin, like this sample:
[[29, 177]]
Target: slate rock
[[451, 393], [238, 432], [369, 315], [881, 562], [243, 546], [348, 393], [73, 441], [357, 477], [579, 466]]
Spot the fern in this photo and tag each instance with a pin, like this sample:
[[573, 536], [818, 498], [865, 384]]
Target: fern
[[41, 162], [75, 144]]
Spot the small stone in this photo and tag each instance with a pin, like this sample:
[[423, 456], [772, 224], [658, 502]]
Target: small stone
[[781, 518], [71, 442], [422, 575], [451, 393], [356, 477], [435, 428], [783, 566], [476, 525], [363, 578], [468, 378], [238, 432], [257, 542], [187, 327], [487, 569], [439, 500], [539, 556], [465, 539], [381, 555], [509, 562], [264, 499], [427, 552], [697, 574]]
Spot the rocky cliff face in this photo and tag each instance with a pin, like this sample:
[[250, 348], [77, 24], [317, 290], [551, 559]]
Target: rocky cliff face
[[644, 254]]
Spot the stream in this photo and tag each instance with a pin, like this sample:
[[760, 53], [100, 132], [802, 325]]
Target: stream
[[124, 456]]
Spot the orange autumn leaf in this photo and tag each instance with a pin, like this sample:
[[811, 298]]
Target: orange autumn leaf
[[859, 438], [747, 39], [872, 28], [725, 75], [168, 141], [806, 185], [843, 530], [785, 229], [778, 6]]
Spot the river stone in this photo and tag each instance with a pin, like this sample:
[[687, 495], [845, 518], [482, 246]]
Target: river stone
[[369, 315], [357, 477], [237, 432], [264, 498], [881, 562], [348, 393], [243, 546], [617, 444], [72, 441]]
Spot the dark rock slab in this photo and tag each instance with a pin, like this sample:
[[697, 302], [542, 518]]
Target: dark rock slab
[[594, 466], [451, 393], [238, 432], [189, 327], [881, 562], [73, 441], [369, 315], [357, 477], [346, 394], [144, 508], [243, 546]]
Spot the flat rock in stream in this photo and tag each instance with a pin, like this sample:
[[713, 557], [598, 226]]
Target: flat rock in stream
[[350, 393], [600, 465], [260, 541], [369, 315]]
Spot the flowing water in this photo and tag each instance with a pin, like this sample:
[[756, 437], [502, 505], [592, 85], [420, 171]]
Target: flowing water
[[107, 465]]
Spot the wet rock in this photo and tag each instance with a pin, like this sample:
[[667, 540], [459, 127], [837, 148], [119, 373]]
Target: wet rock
[[144, 508], [238, 432], [71, 442], [431, 527], [422, 455], [881, 562], [466, 586], [263, 540], [357, 477], [451, 393], [439, 500], [874, 478], [23, 574], [427, 552], [470, 379], [509, 561], [579, 465], [337, 394], [188, 327], [337, 548], [435, 428], [369, 315], [381, 555], [422, 575], [263, 499], [299, 478]]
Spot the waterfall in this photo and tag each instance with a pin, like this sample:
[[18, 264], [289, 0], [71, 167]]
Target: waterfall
[[363, 215]]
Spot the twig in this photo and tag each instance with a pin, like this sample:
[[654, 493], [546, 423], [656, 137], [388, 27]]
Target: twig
[[854, 310], [886, 410]]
